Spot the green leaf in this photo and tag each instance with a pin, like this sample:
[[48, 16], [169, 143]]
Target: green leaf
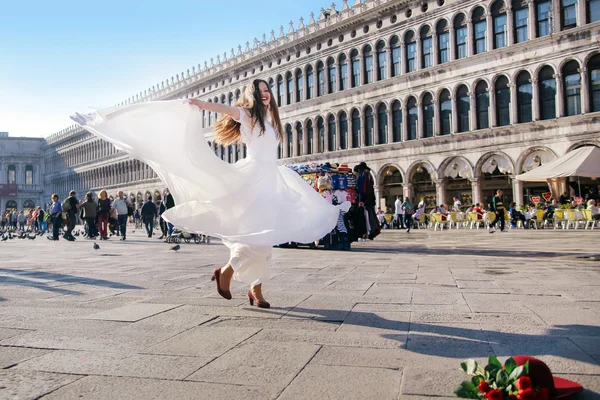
[[492, 360], [492, 370], [476, 380], [467, 390], [470, 366], [517, 373], [510, 365], [502, 379], [526, 373]]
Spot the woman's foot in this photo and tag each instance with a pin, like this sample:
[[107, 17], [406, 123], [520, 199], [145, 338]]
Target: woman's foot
[[255, 294], [223, 278]]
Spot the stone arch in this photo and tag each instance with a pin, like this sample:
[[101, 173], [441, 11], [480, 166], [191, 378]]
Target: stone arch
[[498, 76], [475, 7], [514, 76], [508, 165], [565, 61], [538, 69], [526, 161], [583, 143], [425, 164], [455, 166], [384, 168], [423, 94]]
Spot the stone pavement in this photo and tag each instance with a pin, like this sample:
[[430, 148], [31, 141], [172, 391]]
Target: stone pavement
[[391, 319]]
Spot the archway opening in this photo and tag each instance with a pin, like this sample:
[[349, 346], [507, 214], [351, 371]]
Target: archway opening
[[424, 187], [496, 171], [458, 173], [391, 185], [533, 160]]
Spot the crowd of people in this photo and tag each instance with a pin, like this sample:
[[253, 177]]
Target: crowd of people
[[101, 217]]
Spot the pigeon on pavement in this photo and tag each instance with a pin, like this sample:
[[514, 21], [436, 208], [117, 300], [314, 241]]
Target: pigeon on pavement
[[96, 247], [176, 247]]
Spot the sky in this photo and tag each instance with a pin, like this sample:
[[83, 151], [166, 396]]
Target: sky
[[58, 57]]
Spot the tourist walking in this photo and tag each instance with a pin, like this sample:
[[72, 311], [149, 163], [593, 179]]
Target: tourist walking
[[70, 206], [399, 213], [264, 204], [56, 215], [169, 203], [21, 219], [149, 212], [408, 209], [498, 208], [103, 214], [90, 215], [121, 204]]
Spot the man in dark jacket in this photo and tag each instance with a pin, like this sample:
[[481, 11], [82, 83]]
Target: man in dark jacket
[[499, 209], [169, 203], [71, 210], [149, 212]]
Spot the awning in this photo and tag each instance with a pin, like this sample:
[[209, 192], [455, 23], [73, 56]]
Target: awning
[[582, 162]]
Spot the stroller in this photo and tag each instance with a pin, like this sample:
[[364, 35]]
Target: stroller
[[180, 236]]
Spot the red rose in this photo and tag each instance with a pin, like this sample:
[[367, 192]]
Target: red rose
[[495, 394], [527, 394], [523, 383], [484, 387]]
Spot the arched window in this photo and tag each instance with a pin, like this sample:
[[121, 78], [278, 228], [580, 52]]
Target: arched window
[[11, 178], [211, 117], [238, 93], [568, 13], [11, 205], [443, 42], [355, 129], [310, 77], [230, 153], [289, 80], [502, 101], [396, 121], [368, 57], [290, 140], [320, 79], [355, 60], [332, 75], [572, 88], [332, 146], [396, 54], [238, 152], [300, 135], [343, 72], [321, 130], [445, 113], [479, 30], [369, 126], [460, 33], [343, 130], [426, 47], [482, 104], [411, 51], [230, 102], [463, 105], [412, 117], [547, 93], [311, 139], [279, 151], [428, 115], [29, 175], [594, 79], [280, 90], [524, 97], [543, 10], [299, 85], [593, 11], [223, 99], [499, 24], [28, 204], [381, 61], [382, 124], [223, 154], [520, 20]]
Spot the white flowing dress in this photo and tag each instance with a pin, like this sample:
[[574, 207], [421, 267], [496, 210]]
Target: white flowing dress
[[252, 205]]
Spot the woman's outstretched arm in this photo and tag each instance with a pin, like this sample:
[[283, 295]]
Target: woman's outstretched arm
[[234, 112]]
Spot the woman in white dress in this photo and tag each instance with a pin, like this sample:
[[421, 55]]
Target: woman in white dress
[[251, 205]]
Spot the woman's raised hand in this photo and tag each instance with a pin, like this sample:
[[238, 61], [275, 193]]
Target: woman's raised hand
[[198, 103]]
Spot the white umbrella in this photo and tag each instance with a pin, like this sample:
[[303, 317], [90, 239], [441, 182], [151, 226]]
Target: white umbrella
[[584, 161]]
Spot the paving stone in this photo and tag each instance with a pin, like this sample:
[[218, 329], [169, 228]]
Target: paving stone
[[6, 333], [102, 387], [13, 355], [132, 312], [375, 322], [335, 382], [25, 385], [421, 380]]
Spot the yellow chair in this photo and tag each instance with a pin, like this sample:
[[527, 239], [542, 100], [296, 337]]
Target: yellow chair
[[589, 219], [389, 218], [539, 219], [421, 221], [572, 218], [437, 221], [490, 217], [472, 218], [560, 219], [452, 219]]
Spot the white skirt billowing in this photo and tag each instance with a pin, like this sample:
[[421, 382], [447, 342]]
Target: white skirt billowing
[[252, 205]]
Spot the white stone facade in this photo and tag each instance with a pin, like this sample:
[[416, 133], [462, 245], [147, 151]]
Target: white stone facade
[[21, 164], [440, 98]]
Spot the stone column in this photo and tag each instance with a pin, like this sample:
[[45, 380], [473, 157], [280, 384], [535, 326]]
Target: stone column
[[492, 107], [235, 153], [377, 190], [390, 125], [363, 130], [338, 134], [560, 107], [452, 44], [293, 99], [295, 143], [375, 64], [510, 23], [420, 121], [489, 32], [390, 64], [402, 58], [585, 88], [535, 103], [338, 75], [375, 127], [419, 52], [582, 15], [454, 115], [326, 141], [440, 190], [404, 126], [531, 20], [476, 190], [517, 191], [555, 18], [470, 38], [434, 48], [514, 111], [305, 139], [437, 121], [286, 146], [326, 69]]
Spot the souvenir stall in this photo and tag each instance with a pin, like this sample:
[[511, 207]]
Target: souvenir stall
[[337, 184]]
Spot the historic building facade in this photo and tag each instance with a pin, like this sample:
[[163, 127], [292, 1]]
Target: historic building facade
[[21, 172], [440, 98]]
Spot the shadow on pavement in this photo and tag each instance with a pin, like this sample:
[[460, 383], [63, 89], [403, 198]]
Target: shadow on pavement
[[8, 280]]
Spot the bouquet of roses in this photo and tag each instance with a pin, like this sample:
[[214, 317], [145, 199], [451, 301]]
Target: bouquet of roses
[[499, 382]]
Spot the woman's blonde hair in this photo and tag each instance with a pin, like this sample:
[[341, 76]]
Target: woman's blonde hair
[[53, 196], [102, 191], [227, 131]]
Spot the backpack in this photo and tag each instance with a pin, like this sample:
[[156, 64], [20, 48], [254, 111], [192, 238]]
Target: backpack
[[66, 205]]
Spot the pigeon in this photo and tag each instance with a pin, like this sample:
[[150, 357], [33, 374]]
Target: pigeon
[[96, 247], [176, 247], [31, 237], [4, 238]]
